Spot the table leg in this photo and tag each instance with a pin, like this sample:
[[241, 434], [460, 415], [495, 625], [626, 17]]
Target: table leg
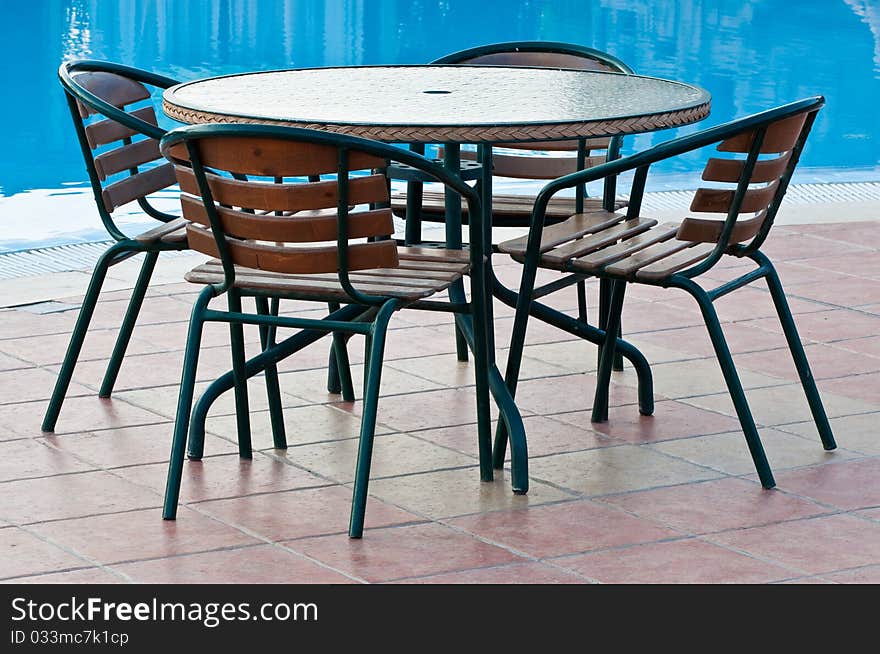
[[414, 191], [480, 231], [573, 326], [452, 162]]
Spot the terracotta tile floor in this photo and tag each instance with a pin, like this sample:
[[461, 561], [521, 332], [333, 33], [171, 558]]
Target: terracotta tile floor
[[671, 498]]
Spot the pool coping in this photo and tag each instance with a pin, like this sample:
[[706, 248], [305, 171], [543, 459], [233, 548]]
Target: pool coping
[[40, 274]]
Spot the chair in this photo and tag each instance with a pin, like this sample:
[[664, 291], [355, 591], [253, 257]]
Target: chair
[[514, 210], [733, 219], [535, 161], [119, 138], [227, 174]]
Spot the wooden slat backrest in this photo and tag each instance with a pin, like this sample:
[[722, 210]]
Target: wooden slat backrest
[[535, 166], [779, 139], [261, 227], [130, 155], [539, 167], [127, 157], [266, 157], [543, 59], [286, 203], [273, 258], [107, 131], [137, 186], [114, 89], [286, 197]]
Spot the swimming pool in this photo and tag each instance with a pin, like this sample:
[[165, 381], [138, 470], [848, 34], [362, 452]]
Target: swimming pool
[[750, 54]]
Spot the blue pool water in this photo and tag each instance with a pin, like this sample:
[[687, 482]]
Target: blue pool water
[[750, 54]]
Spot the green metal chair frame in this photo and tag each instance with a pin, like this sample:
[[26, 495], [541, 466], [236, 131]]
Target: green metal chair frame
[[675, 259], [361, 312], [125, 86]]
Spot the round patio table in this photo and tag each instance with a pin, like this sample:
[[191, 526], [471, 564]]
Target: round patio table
[[452, 104], [435, 104]]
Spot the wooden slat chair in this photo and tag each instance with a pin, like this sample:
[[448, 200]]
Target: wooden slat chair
[[514, 210], [248, 200], [553, 158], [733, 218], [119, 138]]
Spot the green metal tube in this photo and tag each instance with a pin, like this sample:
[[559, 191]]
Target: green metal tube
[[734, 386], [414, 194], [452, 163], [254, 366], [515, 429], [799, 356], [582, 301], [608, 352], [523, 304], [273, 387], [125, 330], [239, 377], [184, 402], [604, 308], [588, 332], [368, 419], [339, 367], [79, 333]]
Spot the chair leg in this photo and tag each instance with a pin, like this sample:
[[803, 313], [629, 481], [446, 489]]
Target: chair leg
[[461, 346], [413, 228], [608, 352], [514, 353], [582, 301], [618, 358], [604, 307], [734, 386], [373, 367], [273, 388], [239, 374], [78, 336], [339, 368], [800, 358], [184, 404], [131, 315]]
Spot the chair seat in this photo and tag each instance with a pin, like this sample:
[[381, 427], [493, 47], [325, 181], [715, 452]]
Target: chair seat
[[610, 244], [503, 206], [422, 272], [171, 232]]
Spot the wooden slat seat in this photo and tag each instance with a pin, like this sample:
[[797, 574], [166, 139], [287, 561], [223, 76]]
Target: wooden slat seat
[[504, 206], [614, 245], [415, 278]]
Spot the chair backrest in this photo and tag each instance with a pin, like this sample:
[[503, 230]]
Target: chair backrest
[[752, 183], [545, 54], [118, 132], [258, 201]]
